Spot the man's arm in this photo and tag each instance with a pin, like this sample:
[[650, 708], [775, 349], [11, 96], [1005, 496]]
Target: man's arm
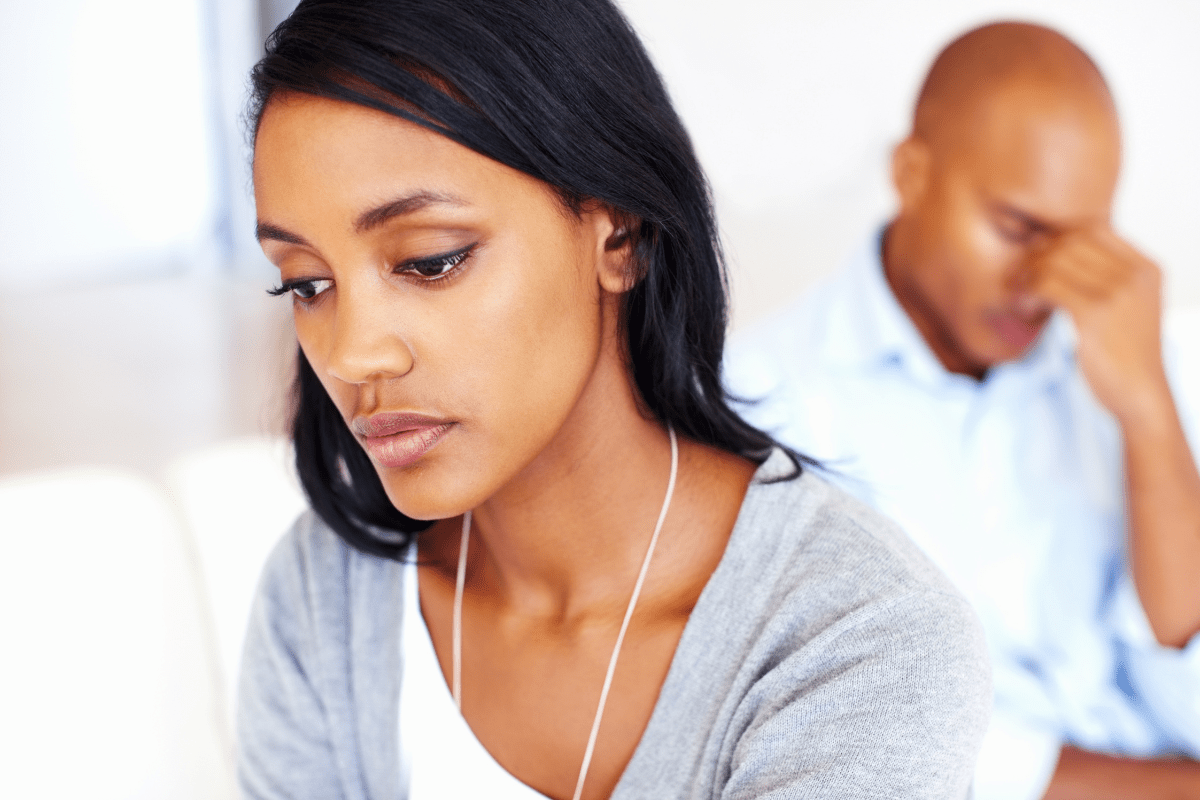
[[1164, 517], [1113, 294], [1090, 776]]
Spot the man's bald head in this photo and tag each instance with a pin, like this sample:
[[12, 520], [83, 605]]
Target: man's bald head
[[1012, 63], [1015, 142]]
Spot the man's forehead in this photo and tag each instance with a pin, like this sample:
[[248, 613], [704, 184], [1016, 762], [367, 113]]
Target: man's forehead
[[1052, 158]]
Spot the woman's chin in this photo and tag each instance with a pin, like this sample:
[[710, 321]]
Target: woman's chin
[[426, 496], [424, 507]]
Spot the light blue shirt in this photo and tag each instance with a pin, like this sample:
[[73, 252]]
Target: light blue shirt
[[1014, 487]]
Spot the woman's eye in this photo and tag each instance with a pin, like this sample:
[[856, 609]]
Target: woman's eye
[[303, 290], [437, 266]]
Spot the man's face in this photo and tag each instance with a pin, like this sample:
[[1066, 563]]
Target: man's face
[[1024, 170]]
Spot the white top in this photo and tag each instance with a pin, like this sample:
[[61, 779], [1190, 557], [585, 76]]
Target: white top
[[440, 757], [1014, 487]]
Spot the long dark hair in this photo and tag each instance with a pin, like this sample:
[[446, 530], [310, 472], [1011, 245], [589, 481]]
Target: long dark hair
[[563, 91]]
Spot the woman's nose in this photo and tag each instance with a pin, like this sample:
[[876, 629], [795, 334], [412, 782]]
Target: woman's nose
[[367, 341]]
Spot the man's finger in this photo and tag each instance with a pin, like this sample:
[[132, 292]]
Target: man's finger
[[1111, 240], [1084, 270]]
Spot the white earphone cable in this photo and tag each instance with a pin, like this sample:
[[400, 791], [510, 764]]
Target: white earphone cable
[[460, 584]]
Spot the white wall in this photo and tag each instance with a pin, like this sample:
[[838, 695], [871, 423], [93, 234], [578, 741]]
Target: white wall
[[111, 162], [794, 106], [106, 163]]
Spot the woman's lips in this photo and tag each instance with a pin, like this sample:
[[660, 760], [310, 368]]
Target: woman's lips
[[398, 440]]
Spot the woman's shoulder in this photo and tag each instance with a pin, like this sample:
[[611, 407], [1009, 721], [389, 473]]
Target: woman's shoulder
[[814, 531], [811, 568], [321, 655], [825, 651], [311, 562], [312, 586]]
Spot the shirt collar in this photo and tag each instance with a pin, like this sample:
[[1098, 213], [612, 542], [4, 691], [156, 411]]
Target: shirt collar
[[872, 329], [876, 332]]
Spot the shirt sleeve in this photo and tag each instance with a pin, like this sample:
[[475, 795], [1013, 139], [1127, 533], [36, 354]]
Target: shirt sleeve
[[894, 707], [284, 750], [1165, 679]]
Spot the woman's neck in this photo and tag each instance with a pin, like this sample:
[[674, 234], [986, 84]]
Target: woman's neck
[[569, 532]]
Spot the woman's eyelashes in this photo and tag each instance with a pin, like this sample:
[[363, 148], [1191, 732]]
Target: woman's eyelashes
[[435, 268], [426, 270], [304, 290]]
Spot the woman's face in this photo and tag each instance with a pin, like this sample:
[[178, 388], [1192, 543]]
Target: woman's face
[[454, 309]]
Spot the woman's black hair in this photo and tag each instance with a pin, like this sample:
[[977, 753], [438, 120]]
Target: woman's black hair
[[561, 90]]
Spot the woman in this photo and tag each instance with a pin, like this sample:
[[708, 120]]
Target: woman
[[531, 498]]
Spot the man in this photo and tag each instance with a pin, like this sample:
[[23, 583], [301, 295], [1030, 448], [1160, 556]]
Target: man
[[989, 373]]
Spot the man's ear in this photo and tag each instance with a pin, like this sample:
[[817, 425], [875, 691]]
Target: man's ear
[[911, 165], [619, 271]]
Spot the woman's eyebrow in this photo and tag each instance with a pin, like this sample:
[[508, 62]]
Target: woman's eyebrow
[[372, 218], [265, 230], [404, 205]]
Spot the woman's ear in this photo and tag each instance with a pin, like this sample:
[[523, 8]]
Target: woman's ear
[[911, 163], [619, 271]]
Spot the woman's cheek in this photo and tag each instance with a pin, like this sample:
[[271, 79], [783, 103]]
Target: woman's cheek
[[537, 330]]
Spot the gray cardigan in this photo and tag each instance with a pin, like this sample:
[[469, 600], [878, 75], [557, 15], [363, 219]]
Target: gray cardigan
[[825, 658]]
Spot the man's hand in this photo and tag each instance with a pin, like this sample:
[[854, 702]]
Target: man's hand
[[1114, 296], [1090, 776]]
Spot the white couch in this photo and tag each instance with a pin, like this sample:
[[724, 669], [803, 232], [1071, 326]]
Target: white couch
[[123, 603], [122, 607]]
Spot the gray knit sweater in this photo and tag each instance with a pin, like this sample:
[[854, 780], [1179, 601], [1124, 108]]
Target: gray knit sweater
[[826, 658]]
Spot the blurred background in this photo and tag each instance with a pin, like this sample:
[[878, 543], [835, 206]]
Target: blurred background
[[133, 325], [138, 350]]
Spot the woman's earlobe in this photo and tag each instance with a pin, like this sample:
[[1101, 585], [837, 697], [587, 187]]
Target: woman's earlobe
[[618, 274]]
